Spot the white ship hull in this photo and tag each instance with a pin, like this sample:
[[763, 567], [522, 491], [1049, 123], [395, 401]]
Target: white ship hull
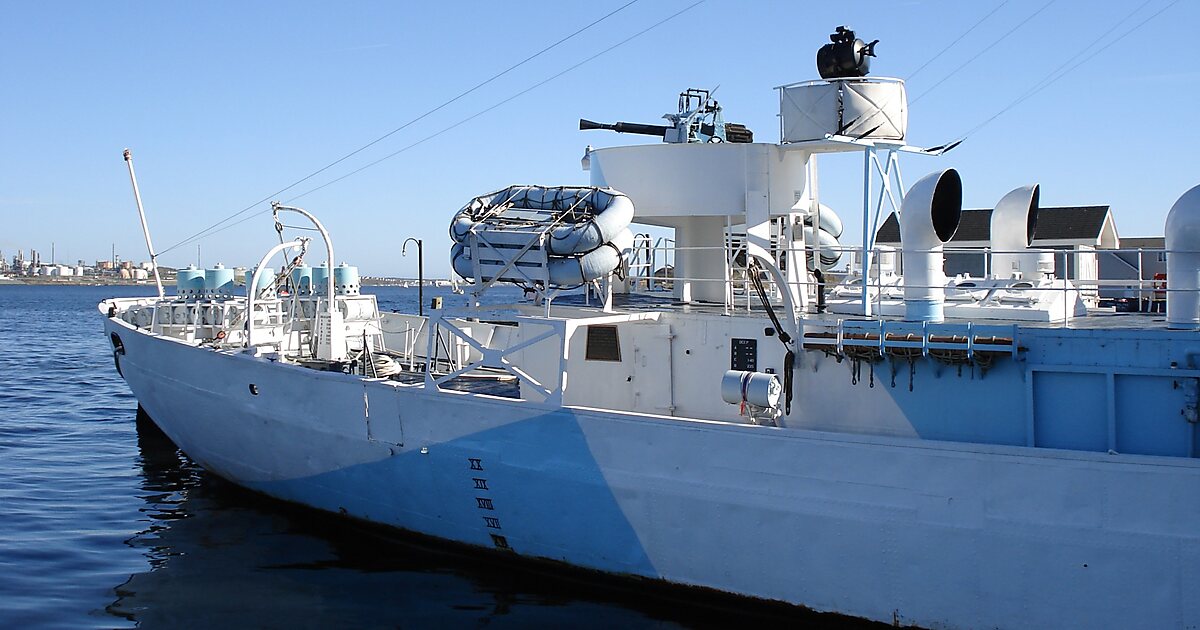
[[936, 534]]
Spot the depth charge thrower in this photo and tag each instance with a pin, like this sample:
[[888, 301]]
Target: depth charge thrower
[[698, 120]]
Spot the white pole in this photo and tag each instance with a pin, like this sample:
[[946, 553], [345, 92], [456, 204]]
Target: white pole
[[330, 330], [865, 264], [137, 196], [331, 305]]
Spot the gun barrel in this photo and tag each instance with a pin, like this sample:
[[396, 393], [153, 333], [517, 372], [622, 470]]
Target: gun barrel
[[624, 127]]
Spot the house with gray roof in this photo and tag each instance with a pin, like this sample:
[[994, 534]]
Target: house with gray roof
[[1078, 232]]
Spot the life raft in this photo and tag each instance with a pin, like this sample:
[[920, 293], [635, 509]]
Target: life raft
[[584, 230], [824, 239]]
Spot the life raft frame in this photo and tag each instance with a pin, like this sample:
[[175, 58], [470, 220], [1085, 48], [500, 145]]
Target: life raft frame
[[546, 239]]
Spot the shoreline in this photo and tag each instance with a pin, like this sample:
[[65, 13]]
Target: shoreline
[[116, 282], [78, 282]]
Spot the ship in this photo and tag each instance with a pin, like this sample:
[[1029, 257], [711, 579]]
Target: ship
[[755, 405]]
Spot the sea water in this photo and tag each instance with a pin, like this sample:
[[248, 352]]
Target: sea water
[[104, 523]]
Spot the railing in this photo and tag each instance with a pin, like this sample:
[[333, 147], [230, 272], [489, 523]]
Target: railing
[[409, 329], [556, 329], [280, 324], [648, 260], [553, 335], [1142, 292]]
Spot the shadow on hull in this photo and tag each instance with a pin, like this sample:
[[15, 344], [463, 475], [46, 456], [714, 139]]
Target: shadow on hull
[[220, 554]]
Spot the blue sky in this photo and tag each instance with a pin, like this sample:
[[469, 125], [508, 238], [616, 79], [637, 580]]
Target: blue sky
[[223, 103]]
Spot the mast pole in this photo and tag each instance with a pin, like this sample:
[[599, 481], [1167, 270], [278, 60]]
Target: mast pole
[[420, 273], [137, 196]]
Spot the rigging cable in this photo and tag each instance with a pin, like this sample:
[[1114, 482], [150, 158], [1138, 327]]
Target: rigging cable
[[473, 116], [959, 39], [981, 53], [1059, 72], [926, 64], [505, 101], [205, 232]]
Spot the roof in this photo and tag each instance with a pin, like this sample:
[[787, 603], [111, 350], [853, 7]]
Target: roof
[[1063, 223], [1130, 242]]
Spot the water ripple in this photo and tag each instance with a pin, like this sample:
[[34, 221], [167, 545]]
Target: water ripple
[[105, 524]]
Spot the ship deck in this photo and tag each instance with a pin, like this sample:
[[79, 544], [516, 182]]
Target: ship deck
[[1096, 319], [490, 386]]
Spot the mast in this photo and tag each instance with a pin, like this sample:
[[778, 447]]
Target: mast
[[137, 196]]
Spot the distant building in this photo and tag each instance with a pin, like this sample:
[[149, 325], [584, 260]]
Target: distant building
[[1139, 256], [1087, 234], [1078, 231]]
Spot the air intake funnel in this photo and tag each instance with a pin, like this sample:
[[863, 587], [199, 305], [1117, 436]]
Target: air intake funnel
[[1013, 224], [1183, 262], [929, 217]]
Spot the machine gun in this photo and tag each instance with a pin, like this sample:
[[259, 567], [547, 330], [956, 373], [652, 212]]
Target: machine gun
[[698, 120]]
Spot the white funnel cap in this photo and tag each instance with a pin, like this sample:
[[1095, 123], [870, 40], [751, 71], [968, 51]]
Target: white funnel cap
[[1013, 223], [1183, 262], [929, 217]]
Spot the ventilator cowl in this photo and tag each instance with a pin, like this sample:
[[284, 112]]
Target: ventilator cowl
[[929, 217], [1013, 224], [1182, 233]]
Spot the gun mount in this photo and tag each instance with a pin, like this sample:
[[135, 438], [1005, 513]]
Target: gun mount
[[846, 56], [698, 120], [624, 127]]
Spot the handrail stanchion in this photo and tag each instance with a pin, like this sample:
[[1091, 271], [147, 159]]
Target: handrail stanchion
[[1140, 277], [1066, 294]]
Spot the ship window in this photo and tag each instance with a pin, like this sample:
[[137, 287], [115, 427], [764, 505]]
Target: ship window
[[603, 344]]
